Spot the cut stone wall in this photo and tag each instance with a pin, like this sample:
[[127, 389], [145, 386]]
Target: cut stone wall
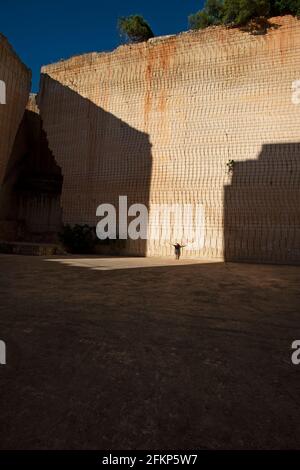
[[159, 121], [39, 181], [30, 194], [17, 79]]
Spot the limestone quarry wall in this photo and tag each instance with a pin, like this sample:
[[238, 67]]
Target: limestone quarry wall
[[39, 180], [159, 121], [30, 193], [17, 79]]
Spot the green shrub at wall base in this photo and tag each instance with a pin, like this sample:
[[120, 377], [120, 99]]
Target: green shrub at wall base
[[78, 239]]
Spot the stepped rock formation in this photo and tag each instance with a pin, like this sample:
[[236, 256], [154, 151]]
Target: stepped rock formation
[[17, 79], [30, 181], [159, 121], [39, 181], [30, 193]]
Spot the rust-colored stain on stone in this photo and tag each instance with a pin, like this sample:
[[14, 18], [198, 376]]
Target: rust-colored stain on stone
[[159, 58], [148, 85]]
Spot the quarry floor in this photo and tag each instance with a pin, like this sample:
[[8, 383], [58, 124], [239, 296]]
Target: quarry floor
[[164, 355]]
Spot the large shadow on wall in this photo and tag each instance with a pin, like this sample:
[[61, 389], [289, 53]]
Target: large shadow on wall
[[101, 158], [30, 194], [262, 207]]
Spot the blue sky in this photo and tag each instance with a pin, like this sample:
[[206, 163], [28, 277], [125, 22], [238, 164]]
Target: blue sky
[[44, 31]]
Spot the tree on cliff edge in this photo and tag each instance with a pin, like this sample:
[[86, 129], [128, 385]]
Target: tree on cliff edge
[[284, 7], [212, 14], [240, 12], [134, 28]]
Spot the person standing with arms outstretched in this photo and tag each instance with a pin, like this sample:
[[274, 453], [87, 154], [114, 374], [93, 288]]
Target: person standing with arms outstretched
[[178, 248]]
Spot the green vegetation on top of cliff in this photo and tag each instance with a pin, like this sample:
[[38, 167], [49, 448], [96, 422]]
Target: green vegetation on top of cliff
[[240, 12], [212, 14], [134, 28]]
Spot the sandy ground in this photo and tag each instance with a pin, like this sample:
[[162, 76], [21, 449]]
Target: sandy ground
[[166, 355]]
